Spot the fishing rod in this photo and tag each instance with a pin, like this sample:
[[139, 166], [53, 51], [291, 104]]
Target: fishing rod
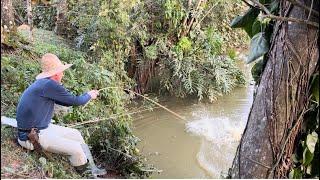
[[176, 114], [154, 102], [103, 119]]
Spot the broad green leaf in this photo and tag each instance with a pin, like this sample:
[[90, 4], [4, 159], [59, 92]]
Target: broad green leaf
[[247, 18], [264, 2], [273, 7], [311, 141], [43, 161], [294, 158], [307, 157], [246, 21], [295, 173], [291, 174], [315, 88], [309, 169], [258, 47], [256, 27]]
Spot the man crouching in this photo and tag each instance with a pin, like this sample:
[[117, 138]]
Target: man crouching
[[35, 111]]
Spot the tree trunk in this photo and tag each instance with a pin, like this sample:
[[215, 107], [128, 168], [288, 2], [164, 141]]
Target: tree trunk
[[30, 20], [7, 15], [61, 21], [276, 115], [7, 22]]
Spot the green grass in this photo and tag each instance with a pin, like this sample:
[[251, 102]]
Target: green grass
[[17, 162]]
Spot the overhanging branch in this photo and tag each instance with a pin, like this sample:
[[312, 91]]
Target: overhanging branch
[[301, 21], [299, 4], [280, 18]]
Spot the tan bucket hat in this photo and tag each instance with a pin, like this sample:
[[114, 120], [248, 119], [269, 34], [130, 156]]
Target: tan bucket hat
[[51, 65]]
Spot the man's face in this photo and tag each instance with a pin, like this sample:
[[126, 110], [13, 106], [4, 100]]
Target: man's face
[[60, 76]]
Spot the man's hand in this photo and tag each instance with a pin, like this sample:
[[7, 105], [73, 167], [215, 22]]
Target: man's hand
[[93, 94]]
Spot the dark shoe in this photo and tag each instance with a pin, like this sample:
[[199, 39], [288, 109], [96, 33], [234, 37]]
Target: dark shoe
[[98, 172], [81, 169]]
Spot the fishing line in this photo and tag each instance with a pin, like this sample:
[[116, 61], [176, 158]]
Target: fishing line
[[154, 102]]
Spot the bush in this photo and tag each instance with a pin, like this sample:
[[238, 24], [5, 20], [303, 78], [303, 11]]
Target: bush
[[148, 36]]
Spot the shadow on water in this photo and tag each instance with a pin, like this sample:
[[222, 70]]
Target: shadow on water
[[204, 145]]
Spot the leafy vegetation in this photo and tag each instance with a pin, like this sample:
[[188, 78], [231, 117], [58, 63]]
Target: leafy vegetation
[[306, 157], [157, 45], [113, 133]]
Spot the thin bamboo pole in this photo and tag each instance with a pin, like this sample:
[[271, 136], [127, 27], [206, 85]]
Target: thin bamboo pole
[[176, 114], [103, 119], [107, 88], [154, 102]]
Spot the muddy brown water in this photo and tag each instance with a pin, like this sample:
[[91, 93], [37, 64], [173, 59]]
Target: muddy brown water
[[203, 145]]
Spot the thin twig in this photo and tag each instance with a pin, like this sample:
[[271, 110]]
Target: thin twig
[[297, 3], [128, 155], [21, 175], [187, 29], [287, 139], [248, 4], [301, 21], [151, 170], [107, 88], [4, 103], [259, 163], [261, 6], [294, 51], [271, 16], [310, 10], [103, 119], [208, 12]]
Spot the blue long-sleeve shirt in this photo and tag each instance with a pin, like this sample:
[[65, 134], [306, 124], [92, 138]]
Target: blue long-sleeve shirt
[[36, 105]]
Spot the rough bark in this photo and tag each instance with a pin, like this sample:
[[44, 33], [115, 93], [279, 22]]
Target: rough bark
[[7, 13], [267, 143], [30, 20], [7, 22], [61, 21]]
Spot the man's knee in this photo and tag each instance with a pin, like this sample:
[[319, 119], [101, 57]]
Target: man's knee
[[76, 134]]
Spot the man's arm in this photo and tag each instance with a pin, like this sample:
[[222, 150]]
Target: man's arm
[[62, 104], [62, 96]]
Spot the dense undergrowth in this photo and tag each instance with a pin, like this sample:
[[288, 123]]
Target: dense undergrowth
[[170, 46]]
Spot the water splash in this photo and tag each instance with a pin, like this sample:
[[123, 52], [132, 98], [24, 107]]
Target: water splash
[[219, 130], [220, 137]]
